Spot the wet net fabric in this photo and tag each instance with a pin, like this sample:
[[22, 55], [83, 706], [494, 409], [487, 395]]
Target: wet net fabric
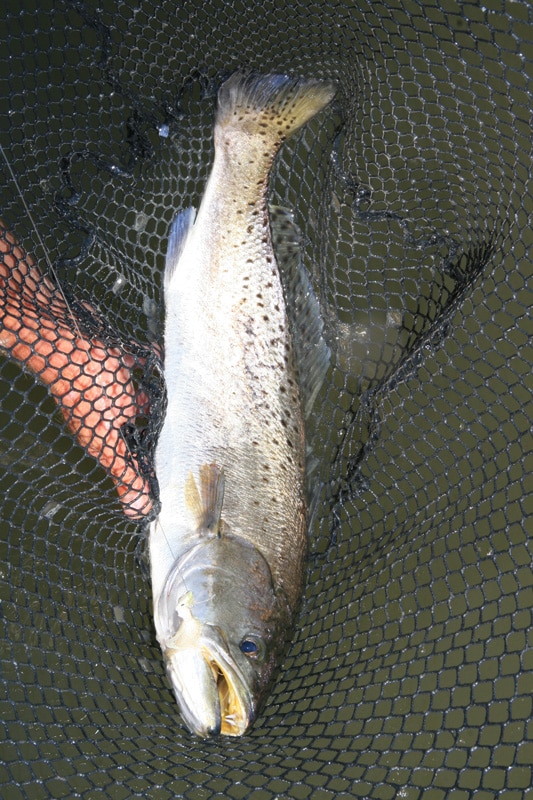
[[411, 666]]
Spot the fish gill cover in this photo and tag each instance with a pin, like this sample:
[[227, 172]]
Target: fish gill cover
[[409, 672]]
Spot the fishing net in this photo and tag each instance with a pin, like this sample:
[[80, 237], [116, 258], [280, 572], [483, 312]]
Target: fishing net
[[410, 670]]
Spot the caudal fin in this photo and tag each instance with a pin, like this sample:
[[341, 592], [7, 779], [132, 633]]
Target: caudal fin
[[273, 106]]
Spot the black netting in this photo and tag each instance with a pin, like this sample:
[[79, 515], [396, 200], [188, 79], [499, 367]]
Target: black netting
[[410, 671]]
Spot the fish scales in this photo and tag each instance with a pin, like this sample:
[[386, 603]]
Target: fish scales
[[230, 459], [238, 401]]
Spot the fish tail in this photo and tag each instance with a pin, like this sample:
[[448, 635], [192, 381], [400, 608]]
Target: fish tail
[[270, 106]]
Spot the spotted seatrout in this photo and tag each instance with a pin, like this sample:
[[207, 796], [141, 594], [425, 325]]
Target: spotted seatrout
[[228, 548]]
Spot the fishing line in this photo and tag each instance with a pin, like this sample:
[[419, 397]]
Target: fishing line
[[54, 274], [39, 239], [166, 539]]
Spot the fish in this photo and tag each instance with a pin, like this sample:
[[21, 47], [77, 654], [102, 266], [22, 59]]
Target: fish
[[228, 548]]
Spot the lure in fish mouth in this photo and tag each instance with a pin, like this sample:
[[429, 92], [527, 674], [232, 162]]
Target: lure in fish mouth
[[244, 358]]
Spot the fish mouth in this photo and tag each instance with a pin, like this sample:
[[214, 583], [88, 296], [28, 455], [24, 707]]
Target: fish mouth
[[236, 708], [211, 692]]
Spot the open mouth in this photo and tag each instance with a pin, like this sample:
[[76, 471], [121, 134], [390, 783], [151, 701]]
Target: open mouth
[[211, 690], [234, 715]]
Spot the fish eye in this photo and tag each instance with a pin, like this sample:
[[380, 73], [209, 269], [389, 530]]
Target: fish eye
[[251, 647]]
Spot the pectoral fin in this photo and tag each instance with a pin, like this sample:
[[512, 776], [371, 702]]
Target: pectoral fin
[[206, 503]]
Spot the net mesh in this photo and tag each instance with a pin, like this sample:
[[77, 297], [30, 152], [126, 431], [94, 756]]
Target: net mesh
[[410, 670]]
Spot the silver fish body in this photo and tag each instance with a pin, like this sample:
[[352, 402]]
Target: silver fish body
[[228, 548]]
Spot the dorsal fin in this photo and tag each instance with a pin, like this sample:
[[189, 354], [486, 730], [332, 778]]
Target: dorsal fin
[[206, 503], [179, 230], [311, 351]]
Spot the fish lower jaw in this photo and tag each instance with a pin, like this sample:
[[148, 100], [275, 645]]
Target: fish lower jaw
[[212, 698]]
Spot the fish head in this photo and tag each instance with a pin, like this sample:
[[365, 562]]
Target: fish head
[[223, 627]]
